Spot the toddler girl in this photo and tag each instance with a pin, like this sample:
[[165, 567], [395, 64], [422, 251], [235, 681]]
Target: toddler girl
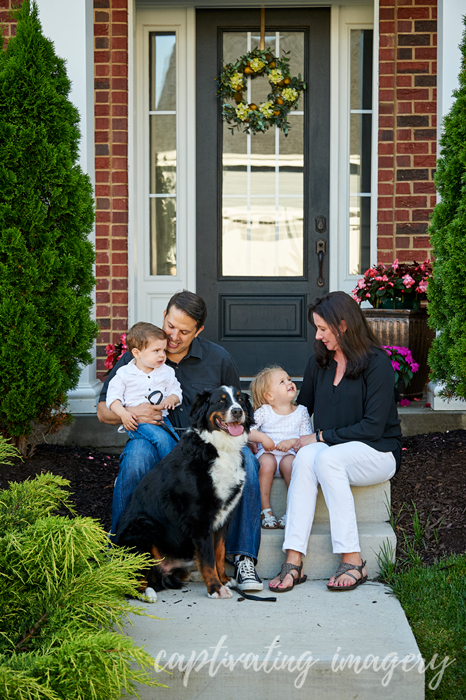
[[278, 425]]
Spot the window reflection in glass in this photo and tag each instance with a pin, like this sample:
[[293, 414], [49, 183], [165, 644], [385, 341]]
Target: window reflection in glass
[[162, 161], [360, 149], [262, 218]]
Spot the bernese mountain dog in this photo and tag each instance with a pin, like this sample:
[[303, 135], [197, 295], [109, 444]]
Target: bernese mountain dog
[[180, 510]]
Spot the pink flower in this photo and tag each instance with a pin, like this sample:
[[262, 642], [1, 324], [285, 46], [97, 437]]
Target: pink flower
[[395, 365], [408, 281], [385, 278], [395, 265], [361, 284], [405, 402], [368, 296], [422, 286]]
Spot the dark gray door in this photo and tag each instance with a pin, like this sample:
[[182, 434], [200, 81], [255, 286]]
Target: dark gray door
[[262, 200]]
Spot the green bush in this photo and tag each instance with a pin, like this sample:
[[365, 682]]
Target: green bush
[[46, 214], [62, 596], [447, 289]]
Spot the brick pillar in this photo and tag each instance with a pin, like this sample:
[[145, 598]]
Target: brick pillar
[[111, 171], [407, 127]]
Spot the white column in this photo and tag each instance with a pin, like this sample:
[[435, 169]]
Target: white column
[[450, 30], [69, 24]]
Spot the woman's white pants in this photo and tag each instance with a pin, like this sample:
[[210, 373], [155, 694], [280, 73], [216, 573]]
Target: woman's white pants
[[335, 468]]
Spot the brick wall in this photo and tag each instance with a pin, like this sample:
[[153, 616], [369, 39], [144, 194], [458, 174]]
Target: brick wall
[[111, 171], [407, 127]]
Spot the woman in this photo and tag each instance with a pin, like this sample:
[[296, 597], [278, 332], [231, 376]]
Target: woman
[[349, 387]]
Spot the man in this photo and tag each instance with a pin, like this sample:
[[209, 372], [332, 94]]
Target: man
[[198, 364]]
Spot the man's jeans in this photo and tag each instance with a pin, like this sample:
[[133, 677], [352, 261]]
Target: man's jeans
[[140, 456]]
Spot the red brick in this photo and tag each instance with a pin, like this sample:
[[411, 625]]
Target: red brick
[[385, 229], [404, 26], [101, 17], [120, 324], [413, 13], [386, 122], [385, 175], [119, 164], [120, 190], [102, 230], [102, 271], [385, 257], [403, 161], [100, 29], [119, 110], [102, 311], [101, 56], [404, 80], [425, 161], [386, 41], [120, 137], [119, 30], [119, 230], [102, 258], [386, 68], [433, 200], [120, 69], [102, 217], [388, 95], [102, 176], [403, 134], [386, 13], [410, 202], [412, 94], [404, 108], [102, 163], [119, 57], [403, 188], [119, 244], [385, 188], [119, 43], [101, 136], [102, 123], [120, 204], [119, 84], [119, 16], [119, 284], [422, 214], [101, 96], [102, 191], [103, 338], [385, 215], [402, 242], [386, 55], [412, 67], [120, 217], [384, 202], [102, 298], [120, 123], [120, 149], [423, 54], [402, 215], [384, 242], [120, 271], [385, 161], [120, 298], [425, 107], [101, 110], [101, 243], [385, 149], [421, 242], [384, 3], [102, 69], [412, 147], [387, 81]]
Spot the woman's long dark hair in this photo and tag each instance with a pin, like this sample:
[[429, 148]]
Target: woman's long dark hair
[[356, 342]]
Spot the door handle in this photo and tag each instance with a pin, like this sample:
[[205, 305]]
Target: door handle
[[321, 250]]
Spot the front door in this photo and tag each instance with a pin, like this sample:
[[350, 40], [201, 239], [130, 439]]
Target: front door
[[262, 200]]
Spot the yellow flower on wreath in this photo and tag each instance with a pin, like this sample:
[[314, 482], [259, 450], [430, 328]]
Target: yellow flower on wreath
[[256, 64], [290, 94], [266, 109], [236, 81], [275, 76], [242, 111]]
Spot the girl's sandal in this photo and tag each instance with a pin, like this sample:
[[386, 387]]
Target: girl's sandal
[[281, 522], [268, 519]]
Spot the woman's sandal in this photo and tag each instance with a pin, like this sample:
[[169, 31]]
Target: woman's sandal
[[268, 519], [287, 569], [345, 568]]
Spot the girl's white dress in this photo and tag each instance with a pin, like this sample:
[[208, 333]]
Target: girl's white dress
[[278, 427]]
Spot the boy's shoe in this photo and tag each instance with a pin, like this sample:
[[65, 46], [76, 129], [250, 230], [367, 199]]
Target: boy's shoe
[[246, 576]]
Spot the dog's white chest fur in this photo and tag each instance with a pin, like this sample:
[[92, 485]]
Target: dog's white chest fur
[[227, 471]]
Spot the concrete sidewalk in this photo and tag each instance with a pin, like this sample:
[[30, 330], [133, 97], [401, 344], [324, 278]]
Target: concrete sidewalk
[[298, 647]]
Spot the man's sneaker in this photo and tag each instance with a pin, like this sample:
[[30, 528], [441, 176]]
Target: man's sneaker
[[246, 575]]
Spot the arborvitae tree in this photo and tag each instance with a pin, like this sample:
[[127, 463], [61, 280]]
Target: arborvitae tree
[[46, 214], [447, 289], [62, 596]]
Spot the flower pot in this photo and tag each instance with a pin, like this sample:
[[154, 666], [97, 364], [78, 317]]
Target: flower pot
[[407, 301], [405, 328]]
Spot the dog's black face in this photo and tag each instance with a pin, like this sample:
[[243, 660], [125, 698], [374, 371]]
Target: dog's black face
[[226, 409]]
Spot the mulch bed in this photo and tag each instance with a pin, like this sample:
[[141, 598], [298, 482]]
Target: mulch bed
[[432, 476]]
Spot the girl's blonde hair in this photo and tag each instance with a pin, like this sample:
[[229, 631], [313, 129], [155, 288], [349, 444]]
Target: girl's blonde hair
[[260, 385]]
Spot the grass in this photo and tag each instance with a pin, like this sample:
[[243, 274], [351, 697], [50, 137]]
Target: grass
[[434, 600]]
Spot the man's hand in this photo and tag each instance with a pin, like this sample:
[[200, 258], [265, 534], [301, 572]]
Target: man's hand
[[145, 413], [286, 445]]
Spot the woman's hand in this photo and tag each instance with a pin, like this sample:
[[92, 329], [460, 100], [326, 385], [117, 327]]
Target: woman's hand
[[305, 440]]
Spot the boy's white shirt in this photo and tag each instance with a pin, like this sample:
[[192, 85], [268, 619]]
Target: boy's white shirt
[[132, 386]]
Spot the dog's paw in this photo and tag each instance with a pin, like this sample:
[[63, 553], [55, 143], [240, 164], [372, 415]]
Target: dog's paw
[[223, 592], [149, 595], [231, 583]]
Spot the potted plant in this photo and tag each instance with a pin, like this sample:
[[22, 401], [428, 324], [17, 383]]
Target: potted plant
[[397, 317], [404, 367]]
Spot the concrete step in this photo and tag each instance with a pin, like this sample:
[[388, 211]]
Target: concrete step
[[297, 647], [320, 562], [372, 502]]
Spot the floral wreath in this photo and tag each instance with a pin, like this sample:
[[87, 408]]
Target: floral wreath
[[283, 97]]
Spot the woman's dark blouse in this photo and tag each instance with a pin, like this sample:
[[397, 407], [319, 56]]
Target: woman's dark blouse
[[361, 409]]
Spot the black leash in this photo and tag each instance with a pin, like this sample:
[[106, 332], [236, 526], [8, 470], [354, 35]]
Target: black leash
[[248, 596], [162, 424]]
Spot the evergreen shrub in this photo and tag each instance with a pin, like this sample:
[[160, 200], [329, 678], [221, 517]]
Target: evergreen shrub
[[62, 599], [46, 215], [447, 290]]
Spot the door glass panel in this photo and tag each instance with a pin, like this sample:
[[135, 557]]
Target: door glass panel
[[360, 150], [262, 188], [162, 159]]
